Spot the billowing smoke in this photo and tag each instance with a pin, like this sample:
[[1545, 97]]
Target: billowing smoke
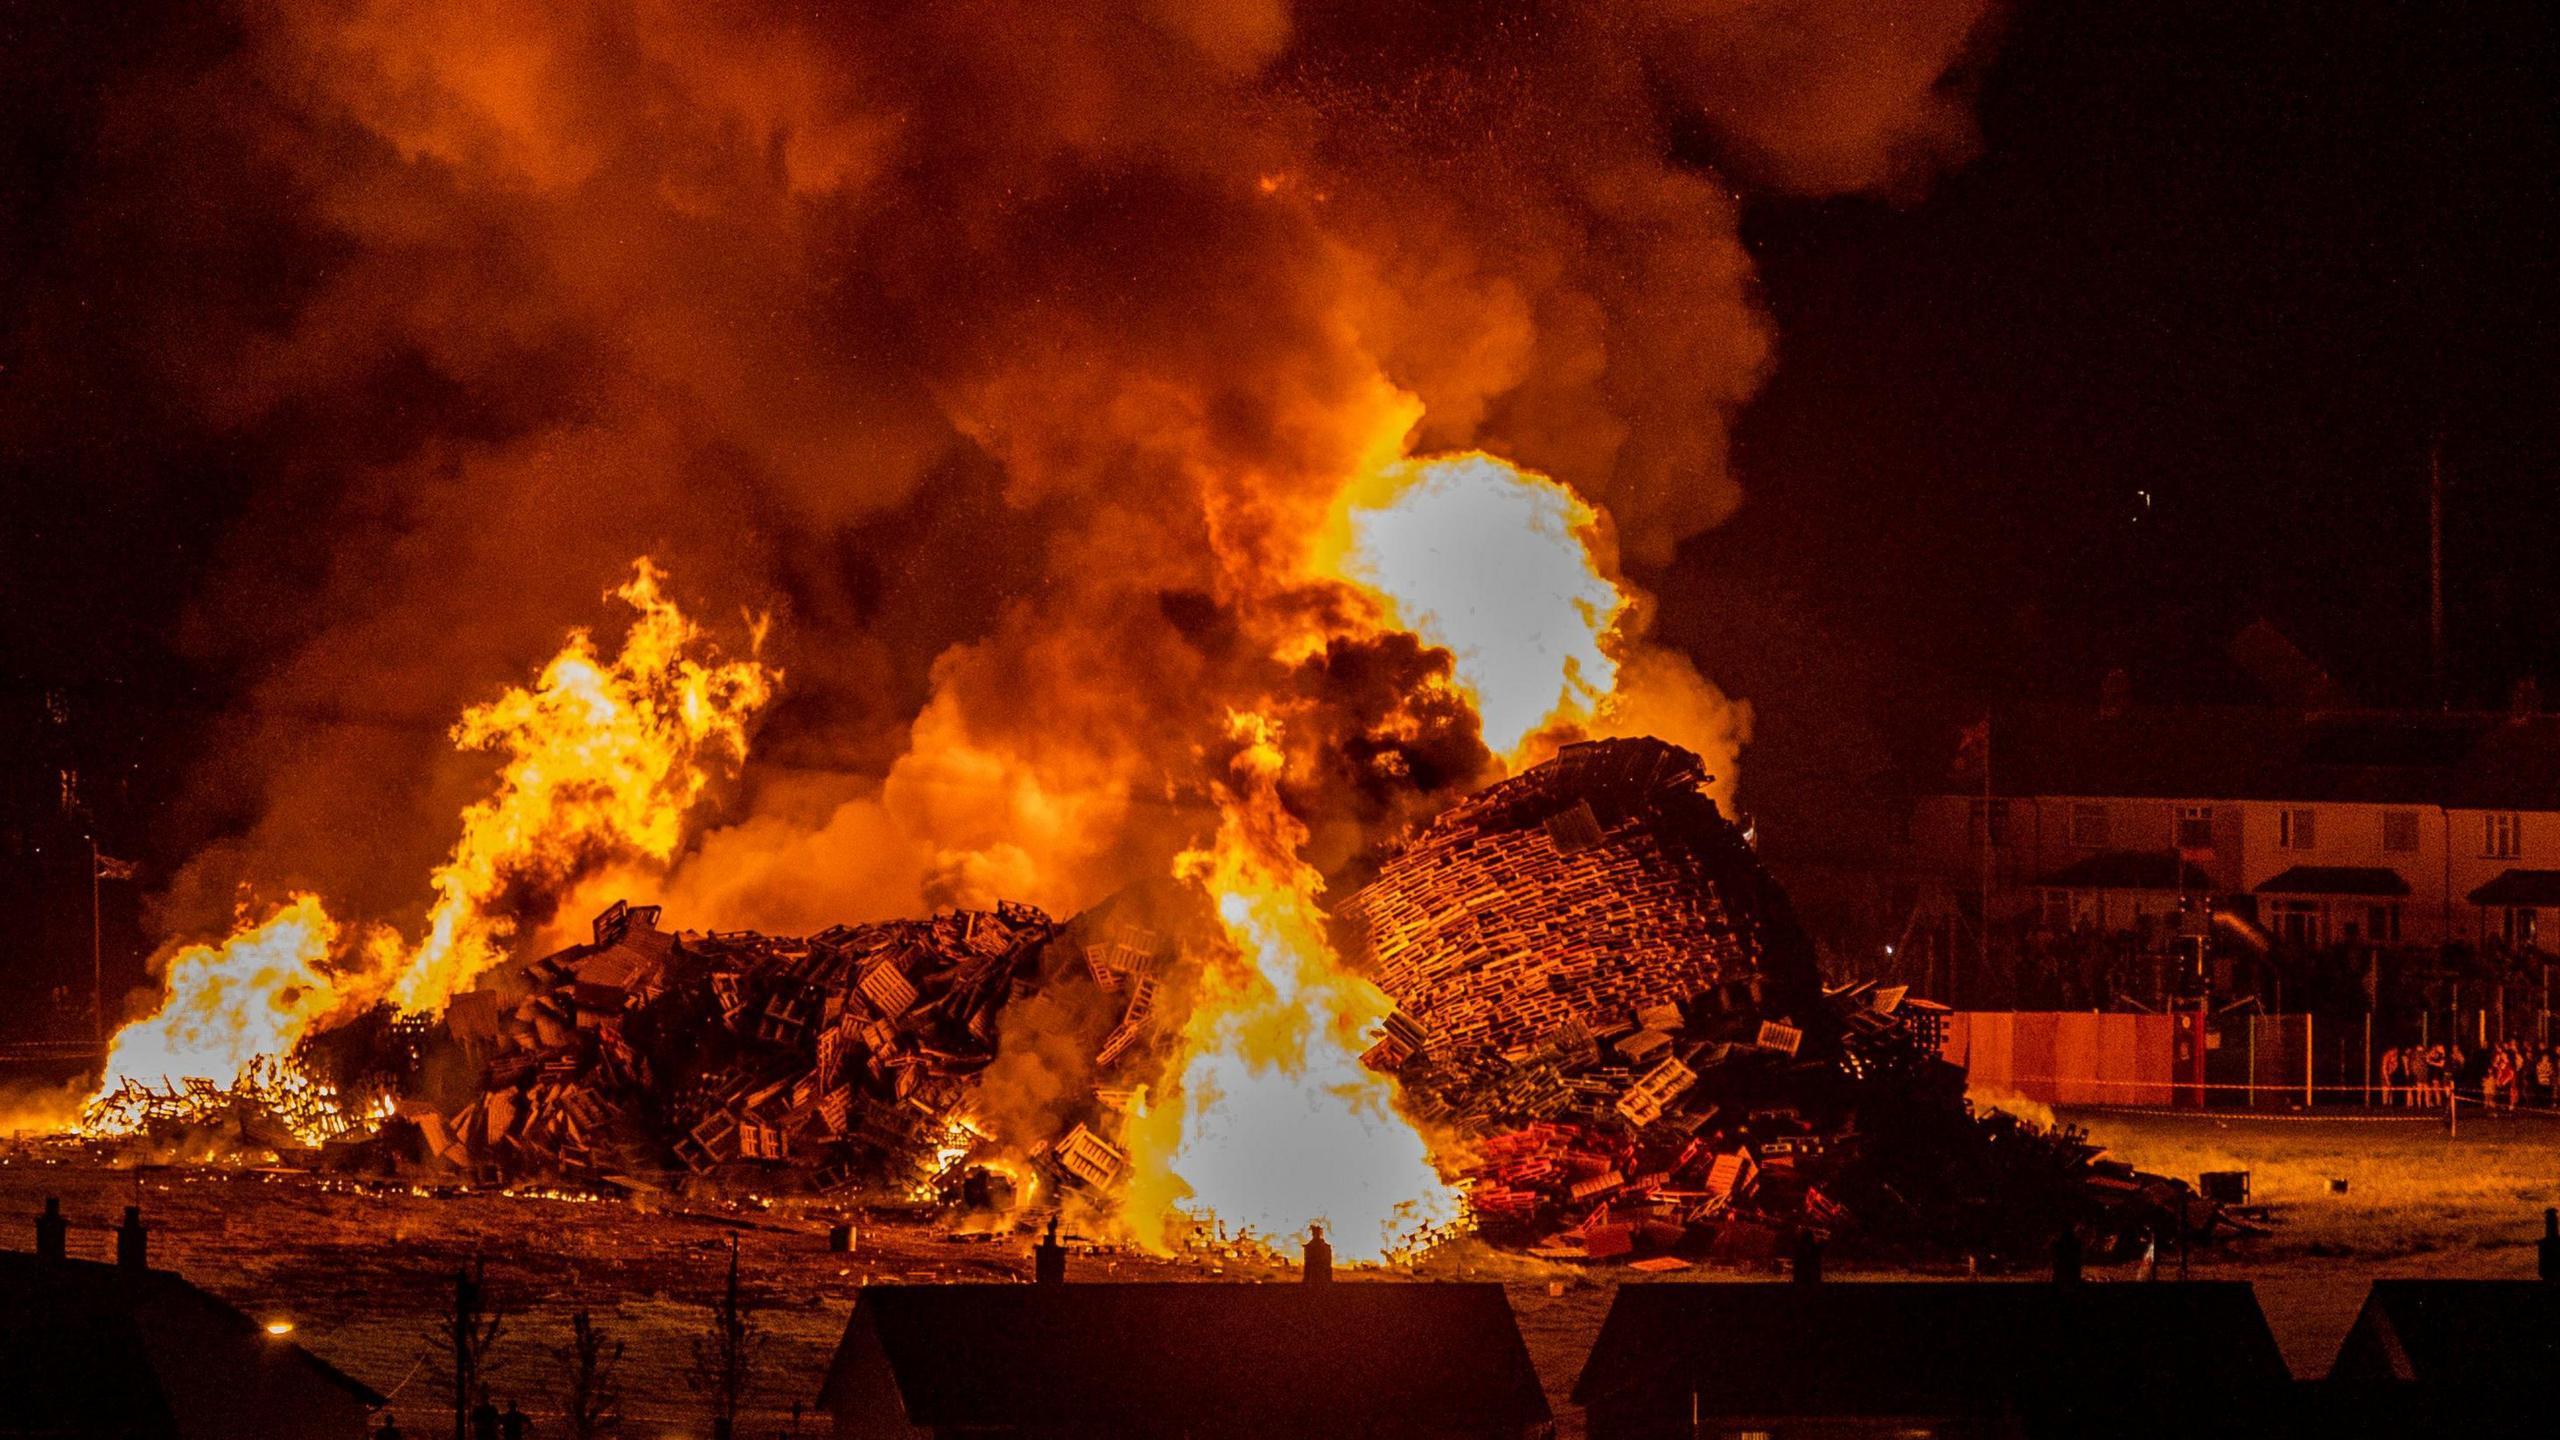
[[1004, 350]]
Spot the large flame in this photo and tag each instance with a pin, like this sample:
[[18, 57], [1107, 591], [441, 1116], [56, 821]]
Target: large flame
[[253, 996], [1270, 1122], [604, 760], [1497, 565]]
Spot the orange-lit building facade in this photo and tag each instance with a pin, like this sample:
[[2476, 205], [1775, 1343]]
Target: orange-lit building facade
[[2323, 828]]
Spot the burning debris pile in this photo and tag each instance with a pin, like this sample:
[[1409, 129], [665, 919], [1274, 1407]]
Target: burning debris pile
[[1604, 1013], [843, 1053], [1601, 986]]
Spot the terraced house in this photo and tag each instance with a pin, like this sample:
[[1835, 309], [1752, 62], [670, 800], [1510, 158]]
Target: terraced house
[[2389, 828]]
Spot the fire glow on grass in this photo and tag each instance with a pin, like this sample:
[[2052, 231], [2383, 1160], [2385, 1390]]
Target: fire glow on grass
[[604, 759], [1271, 1121]]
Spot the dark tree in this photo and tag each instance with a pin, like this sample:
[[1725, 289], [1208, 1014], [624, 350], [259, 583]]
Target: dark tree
[[724, 1354], [588, 1397], [467, 1336]]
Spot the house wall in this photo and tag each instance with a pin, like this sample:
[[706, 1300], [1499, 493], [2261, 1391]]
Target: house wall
[[2451, 859]]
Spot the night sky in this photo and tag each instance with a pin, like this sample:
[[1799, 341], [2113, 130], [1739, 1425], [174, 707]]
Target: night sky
[[2166, 356]]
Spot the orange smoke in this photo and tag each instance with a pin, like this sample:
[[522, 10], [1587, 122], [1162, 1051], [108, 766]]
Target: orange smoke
[[605, 757]]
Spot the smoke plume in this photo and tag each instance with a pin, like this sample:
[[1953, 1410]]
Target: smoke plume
[[1004, 351]]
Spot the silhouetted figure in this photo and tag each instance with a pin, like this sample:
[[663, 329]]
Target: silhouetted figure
[[1319, 1266], [2066, 1257], [1049, 1258], [484, 1420], [2549, 1257], [514, 1425], [1808, 1258], [389, 1429]]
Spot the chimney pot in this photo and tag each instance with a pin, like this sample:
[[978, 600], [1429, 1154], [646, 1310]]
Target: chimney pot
[[1049, 1258], [2066, 1257], [1808, 1257], [132, 1251], [1319, 1264], [52, 1231]]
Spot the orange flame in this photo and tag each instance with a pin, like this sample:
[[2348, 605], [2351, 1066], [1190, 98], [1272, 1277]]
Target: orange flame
[[255, 995], [1272, 1121], [604, 760]]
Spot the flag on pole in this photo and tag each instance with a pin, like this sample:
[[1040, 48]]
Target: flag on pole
[[1973, 752], [111, 868]]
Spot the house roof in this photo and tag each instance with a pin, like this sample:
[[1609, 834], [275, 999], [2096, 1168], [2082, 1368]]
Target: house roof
[[2129, 870], [2483, 1334], [2375, 880], [2469, 761], [1326, 1358], [2520, 887], [2081, 1356], [151, 1352]]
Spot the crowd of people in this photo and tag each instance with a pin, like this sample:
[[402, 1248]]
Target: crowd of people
[[2506, 1075]]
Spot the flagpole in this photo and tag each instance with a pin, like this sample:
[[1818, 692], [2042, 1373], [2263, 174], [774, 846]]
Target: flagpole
[[97, 967], [1983, 967]]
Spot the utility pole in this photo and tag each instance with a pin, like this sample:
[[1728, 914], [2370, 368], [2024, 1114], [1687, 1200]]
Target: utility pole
[[2435, 567], [1983, 968]]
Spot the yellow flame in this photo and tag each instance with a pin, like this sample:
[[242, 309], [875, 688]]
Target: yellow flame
[[604, 758], [1272, 1122], [255, 995], [1497, 565]]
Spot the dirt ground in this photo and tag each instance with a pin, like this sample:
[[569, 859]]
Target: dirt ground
[[363, 1272]]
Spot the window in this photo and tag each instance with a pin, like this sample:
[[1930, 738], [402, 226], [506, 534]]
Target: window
[[1999, 813], [2298, 922], [2382, 922], [2089, 826], [2195, 828], [2519, 927], [2498, 835], [2297, 829], [2057, 911], [2400, 831]]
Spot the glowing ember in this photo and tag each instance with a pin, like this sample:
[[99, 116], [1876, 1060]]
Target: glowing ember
[[1494, 564], [1272, 1121], [604, 759]]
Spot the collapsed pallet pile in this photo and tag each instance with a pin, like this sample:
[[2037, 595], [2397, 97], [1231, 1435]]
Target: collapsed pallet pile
[[842, 1053], [1601, 985]]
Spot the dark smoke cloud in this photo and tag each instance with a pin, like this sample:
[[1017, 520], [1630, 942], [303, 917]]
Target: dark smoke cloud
[[990, 344]]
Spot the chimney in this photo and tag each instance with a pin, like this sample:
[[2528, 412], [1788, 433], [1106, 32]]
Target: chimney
[[1319, 1266], [2066, 1257], [2549, 1257], [52, 1231], [1049, 1258], [1808, 1258], [132, 1253]]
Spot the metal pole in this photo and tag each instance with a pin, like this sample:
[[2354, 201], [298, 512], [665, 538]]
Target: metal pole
[[2249, 1097], [2307, 1101], [97, 967], [2368, 1059], [2435, 567]]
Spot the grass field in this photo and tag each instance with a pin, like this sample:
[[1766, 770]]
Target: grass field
[[363, 1275]]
